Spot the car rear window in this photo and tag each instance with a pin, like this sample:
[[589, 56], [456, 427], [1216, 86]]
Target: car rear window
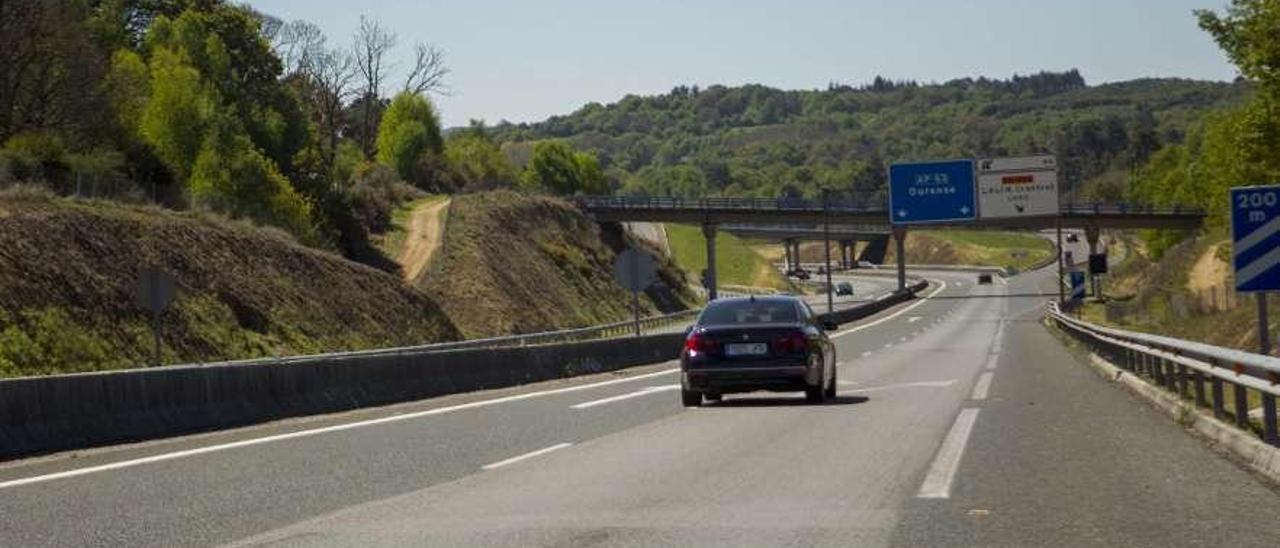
[[745, 312]]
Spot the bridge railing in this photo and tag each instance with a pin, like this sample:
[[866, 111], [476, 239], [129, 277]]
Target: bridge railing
[[755, 204], [1186, 368], [1097, 208], [844, 204]]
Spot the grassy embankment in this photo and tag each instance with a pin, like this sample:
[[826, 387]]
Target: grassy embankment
[[1016, 250], [515, 263], [959, 247], [737, 263], [69, 268]]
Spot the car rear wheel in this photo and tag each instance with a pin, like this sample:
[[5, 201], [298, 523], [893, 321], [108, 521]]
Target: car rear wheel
[[690, 398]]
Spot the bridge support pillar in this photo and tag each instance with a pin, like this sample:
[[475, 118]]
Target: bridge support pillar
[[844, 254], [1092, 234], [709, 232], [790, 257], [795, 252], [900, 247]]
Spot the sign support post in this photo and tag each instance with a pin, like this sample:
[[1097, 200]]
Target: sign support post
[[156, 289], [635, 296], [634, 270], [1255, 250], [826, 247]]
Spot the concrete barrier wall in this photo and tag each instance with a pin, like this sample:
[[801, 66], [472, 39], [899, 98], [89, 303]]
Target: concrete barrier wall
[[861, 311], [46, 414]]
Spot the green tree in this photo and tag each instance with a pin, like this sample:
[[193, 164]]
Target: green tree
[[555, 168], [409, 130], [232, 176], [1247, 33], [478, 162], [176, 116]]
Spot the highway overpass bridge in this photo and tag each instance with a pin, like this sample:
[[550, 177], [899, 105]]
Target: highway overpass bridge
[[715, 213]]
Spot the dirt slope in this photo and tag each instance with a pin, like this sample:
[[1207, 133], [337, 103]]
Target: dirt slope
[[67, 291], [515, 263], [426, 232]]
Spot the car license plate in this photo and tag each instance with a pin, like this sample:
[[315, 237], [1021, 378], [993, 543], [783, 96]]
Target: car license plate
[[748, 349]]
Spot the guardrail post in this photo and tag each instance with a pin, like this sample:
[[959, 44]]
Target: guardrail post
[[1218, 405], [1170, 375], [1242, 405], [1269, 420], [1182, 380], [1198, 379]]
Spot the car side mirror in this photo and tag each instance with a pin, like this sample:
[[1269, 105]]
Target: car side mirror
[[828, 325]]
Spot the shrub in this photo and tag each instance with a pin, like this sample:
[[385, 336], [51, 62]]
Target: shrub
[[375, 192]]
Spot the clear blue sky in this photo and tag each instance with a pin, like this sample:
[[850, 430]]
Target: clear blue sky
[[527, 60]]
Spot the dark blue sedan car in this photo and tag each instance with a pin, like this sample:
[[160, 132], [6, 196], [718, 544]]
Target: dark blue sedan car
[[746, 344]]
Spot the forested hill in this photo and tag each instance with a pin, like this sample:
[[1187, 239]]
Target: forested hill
[[755, 140]]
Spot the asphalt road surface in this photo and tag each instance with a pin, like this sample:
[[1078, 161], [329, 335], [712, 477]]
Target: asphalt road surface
[[961, 421]]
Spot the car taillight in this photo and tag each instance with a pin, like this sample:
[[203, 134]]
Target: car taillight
[[698, 342], [791, 343]]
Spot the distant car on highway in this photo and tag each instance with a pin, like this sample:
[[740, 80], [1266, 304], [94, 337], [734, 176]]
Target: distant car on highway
[[984, 279], [745, 344], [1072, 238], [867, 264], [844, 288], [801, 274]]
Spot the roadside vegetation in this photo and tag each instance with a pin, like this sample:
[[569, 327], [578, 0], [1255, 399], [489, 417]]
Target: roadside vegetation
[[68, 270], [1014, 250], [758, 141], [1180, 283], [737, 263]]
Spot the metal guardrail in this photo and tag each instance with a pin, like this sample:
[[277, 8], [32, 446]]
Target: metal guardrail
[[1179, 366], [837, 205], [648, 326]]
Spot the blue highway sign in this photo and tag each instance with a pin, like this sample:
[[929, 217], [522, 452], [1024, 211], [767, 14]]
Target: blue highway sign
[[932, 192], [1255, 235]]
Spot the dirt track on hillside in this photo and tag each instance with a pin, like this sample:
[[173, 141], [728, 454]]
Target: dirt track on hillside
[[425, 232]]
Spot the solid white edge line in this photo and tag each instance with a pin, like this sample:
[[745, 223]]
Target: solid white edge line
[[981, 387], [937, 483], [525, 456], [627, 396], [316, 431], [991, 362], [941, 285]]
